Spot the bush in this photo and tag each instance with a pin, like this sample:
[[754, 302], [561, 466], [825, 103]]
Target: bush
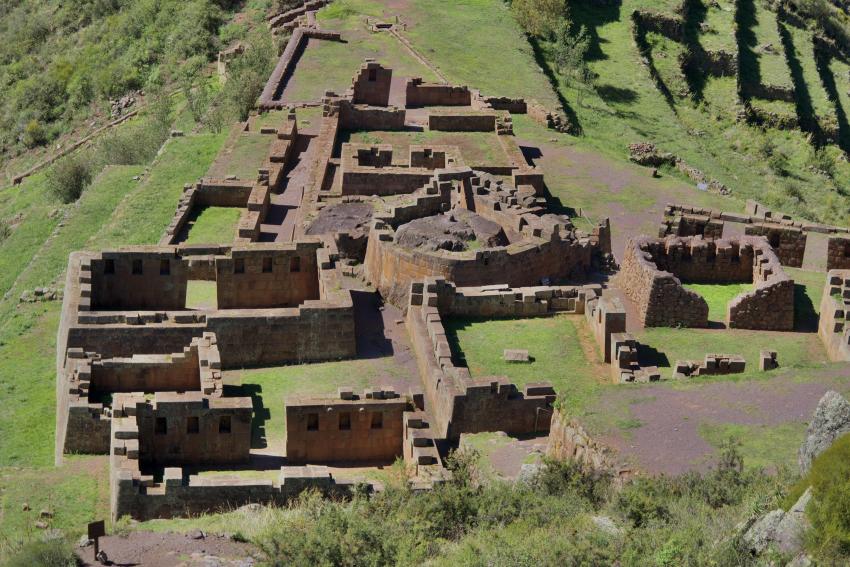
[[829, 510], [54, 553], [641, 502], [69, 177], [34, 134], [539, 17]]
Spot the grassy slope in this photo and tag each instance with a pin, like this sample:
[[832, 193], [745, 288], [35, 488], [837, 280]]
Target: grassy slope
[[114, 211]]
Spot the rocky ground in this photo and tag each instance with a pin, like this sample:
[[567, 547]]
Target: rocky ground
[[171, 550]]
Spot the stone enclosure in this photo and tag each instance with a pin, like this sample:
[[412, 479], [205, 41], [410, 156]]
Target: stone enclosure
[[335, 234]]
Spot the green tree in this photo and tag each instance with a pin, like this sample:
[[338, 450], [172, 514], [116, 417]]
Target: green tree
[[539, 17]]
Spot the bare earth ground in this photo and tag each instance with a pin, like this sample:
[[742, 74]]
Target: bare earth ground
[[668, 439], [170, 550]]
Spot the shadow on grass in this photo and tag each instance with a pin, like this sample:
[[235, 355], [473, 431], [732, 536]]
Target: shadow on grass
[[551, 76], [612, 94], [749, 70], [261, 412], [805, 317], [802, 97]]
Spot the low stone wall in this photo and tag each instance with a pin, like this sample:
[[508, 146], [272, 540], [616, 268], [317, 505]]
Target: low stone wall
[[420, 93], [686, 224], [462, 121], [270, 97], [568, 440], [652, 268], [176, 496]]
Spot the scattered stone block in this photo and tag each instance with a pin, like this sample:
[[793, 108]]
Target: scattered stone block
[[768, 360], [516, 355]]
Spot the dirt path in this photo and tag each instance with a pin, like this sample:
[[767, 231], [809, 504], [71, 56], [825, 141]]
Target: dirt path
[[171, 550]]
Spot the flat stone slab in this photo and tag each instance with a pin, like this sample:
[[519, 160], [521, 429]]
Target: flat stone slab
[[516, 355]]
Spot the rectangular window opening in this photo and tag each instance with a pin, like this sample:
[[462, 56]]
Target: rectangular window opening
[[165, 267], [344, 421], [295, 264], [160, 426], [312, 422], [224, 424], [373, 75], [137, 267], [239, 265], [377, 420], [109, 266], [267, 265], [193, 425]]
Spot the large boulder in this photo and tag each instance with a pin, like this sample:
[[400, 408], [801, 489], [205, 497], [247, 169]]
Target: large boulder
[[831, 420], [781, 529]]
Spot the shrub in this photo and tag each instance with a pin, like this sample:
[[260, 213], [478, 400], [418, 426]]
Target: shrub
[[34, 134], [829, 510], [53, 553], [69, 177], [539, 17], [641, 502]]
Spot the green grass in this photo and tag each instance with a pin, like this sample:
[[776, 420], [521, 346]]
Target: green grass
[[559, 346], [718, 297], [763, 446], [76, 494], [214, 225], [246, 155], [772, 65], [478, 43], [796, 350], [144, 214], [201, 295], [271, 386]]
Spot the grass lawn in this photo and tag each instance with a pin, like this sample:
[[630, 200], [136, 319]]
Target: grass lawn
[[477, 148], [77, 493], [478, 43], [718, 297], [247, 154], [214, 225], [563, 351], [201, 294], [763, 446]]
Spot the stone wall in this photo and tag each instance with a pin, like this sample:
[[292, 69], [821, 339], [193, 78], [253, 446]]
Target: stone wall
[[692, 225], [148, 373], [420, 93], [268, 276], [548, 248], [606, 317], [187, 428], [838, 253], [176, 496], [789, 242], [462, 121], [659, 296], [568, 440], [144, 278], [371, 86], [833, 330], [652, 270], [459, 403], [359, 429]]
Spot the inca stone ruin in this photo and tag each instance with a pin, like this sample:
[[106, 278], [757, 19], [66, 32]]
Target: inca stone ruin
[[342, 244]]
